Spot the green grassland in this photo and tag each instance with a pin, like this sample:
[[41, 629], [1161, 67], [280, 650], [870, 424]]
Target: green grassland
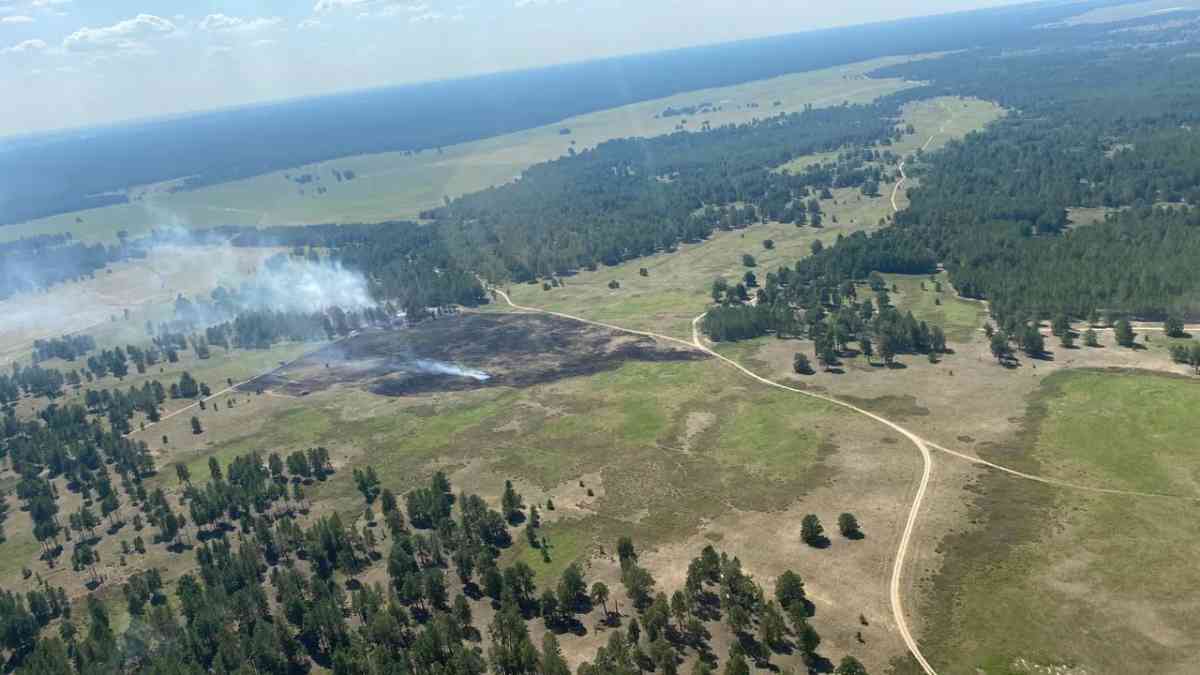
[[676, 288], [961, 319], [1078, 581], [395, 185], [1133, 10], [941, 119], [628, 429]]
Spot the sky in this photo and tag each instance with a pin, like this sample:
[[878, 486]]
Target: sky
[[72, 63]]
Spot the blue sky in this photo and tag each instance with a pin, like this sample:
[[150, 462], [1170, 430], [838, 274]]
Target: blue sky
[[67, 63]]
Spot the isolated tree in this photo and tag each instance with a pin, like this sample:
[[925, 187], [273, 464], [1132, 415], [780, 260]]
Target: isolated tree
[[811, 530], [1067, 339], [599, 596], [109, 506], [1091, 338], [789, 590], [848, 526], [850, 666], [801, 365], [736, 663], [1000, 347], [887, 349], [572, 587], [937, 340], [720, 288], [1032, 341], [510, 651], [1173, 327], [182, 473], [748, 260], [866, 347], [1060, 325], [1123, 332], [553, 662], [511, 503], [768, 244], [196, 428]]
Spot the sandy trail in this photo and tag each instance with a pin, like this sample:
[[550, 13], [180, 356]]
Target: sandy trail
[[903, 177]]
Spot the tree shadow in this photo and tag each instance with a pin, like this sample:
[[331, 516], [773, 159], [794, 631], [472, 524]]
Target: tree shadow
[[819, 664], [856, 535], [818, 542]]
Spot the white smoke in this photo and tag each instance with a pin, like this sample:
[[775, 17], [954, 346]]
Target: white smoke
[[443, 368], [301, 285], [179, 263]]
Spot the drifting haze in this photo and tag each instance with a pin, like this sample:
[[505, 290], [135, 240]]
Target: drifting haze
[[84, 63]]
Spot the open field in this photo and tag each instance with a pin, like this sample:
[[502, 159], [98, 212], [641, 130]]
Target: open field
[[942, 119], [1133, 10], [395, 185], [1101, 574], [146, 288], [677, 286], [960, 318]]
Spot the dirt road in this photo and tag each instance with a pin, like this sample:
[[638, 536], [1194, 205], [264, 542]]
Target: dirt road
[[913, 512], [903, 177], [922, 445]]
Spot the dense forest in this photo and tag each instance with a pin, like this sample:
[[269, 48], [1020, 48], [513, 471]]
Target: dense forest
[[64, 172], [632, 197], [993, 207]]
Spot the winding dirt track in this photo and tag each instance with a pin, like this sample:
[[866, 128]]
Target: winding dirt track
[[922, 445], [903, 177]]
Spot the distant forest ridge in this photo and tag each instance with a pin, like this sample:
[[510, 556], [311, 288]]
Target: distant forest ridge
[[64, 172]]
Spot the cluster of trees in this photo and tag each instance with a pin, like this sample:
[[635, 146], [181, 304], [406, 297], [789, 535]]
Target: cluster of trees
[[67, 347], [119, 406], [632, 197], [1187, 354], [32, 381], [23, 615], [268, 599], [790, 304]]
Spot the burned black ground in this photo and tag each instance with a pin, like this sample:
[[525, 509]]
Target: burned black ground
[[514, 350]]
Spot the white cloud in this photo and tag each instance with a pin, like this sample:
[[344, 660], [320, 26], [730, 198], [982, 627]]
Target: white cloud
[[309, 24], [26, 47], [323, 6], [417, 11], [521, 4], [229, 24], [124, 36], [264, 43], [49, 3], [18, 18], [426, 17], [220, 50]]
